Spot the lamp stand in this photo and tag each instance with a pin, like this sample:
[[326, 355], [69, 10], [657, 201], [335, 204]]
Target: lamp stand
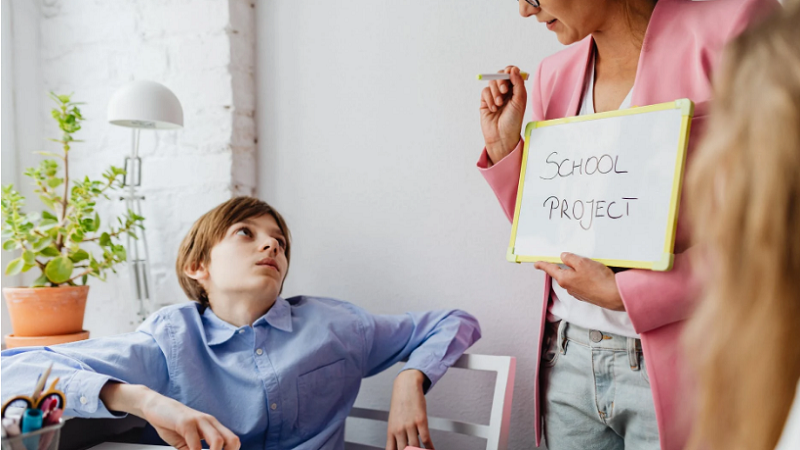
[[138, 255]]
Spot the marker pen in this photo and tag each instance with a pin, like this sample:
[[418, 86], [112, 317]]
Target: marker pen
[[500, 76]]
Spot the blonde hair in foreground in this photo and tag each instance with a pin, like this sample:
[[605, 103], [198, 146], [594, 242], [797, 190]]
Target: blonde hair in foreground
[[744, 200]]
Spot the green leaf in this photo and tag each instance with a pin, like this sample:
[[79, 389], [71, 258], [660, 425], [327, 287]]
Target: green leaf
[[41, 281], [47, 224], [84, 279], [50, 203], [15, 267], [54, 182], [55, 155], [78, 256], [120, 252], [42, 243], [96, 222], [9, 245], [59, 269], [105, 240], [77, 236], [49, 215], [87, 225], [50, 251], [29, 257]]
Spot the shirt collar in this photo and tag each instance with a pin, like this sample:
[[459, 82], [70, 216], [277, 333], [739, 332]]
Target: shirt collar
[[218, 331], [279, 316]]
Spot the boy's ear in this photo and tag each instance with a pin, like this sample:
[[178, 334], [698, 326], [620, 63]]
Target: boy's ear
[[196, 271]]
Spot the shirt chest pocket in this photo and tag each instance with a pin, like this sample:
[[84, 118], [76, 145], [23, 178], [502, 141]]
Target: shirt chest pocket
[[320, 396]]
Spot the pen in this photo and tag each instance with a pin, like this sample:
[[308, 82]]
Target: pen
[[500, 76], [40, 383], [31, 421]]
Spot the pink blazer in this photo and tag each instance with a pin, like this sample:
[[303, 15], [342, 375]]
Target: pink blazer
[[681, 49]]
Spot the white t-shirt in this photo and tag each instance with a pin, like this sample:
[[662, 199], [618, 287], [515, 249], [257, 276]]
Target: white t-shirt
[[569, 308], [790, 439]]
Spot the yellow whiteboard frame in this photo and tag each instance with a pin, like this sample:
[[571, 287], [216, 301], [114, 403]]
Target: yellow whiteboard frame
[[665, 263]]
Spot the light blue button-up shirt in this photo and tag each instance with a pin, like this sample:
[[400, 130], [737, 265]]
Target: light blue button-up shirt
[[288, 381]]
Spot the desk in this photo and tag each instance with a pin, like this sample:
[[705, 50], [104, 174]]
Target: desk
[[80, 434], [120, 446]]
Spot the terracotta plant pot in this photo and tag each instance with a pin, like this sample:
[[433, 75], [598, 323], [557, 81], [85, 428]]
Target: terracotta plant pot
[[46, 311], [19, 341]]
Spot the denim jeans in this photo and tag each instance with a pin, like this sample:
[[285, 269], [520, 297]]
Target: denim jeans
[[595, 390]]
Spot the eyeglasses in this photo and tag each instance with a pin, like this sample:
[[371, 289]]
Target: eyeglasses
[[534, 3]]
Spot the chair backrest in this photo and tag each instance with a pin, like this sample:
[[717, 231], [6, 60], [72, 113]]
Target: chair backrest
[[495, 433]]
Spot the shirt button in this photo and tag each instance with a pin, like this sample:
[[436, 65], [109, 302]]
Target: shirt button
[[241, 331], [273, 406], [83, 400], [259, 352]]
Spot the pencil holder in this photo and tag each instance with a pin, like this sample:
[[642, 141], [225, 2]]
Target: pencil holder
[[43, 439]]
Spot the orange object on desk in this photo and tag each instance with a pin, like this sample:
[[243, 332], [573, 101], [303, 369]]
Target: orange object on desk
[[31, 341]]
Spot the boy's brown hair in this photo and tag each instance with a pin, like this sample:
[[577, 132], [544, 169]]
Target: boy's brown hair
[[209, 229]]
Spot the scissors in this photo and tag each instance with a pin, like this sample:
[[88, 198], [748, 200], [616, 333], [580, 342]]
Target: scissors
[[47, 401]]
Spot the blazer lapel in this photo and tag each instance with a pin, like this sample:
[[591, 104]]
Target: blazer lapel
[[580, 78]]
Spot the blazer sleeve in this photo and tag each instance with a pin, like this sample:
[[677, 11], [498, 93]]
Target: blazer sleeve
[[654, 299], [503, 176]]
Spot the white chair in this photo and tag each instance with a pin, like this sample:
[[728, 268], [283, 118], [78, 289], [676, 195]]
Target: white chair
[[495, 433]]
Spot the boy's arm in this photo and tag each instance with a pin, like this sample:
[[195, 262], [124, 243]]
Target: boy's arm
[[180, 426], [85, 367], [431, 342]]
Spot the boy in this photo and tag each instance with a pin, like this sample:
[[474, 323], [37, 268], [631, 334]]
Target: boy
[[243, 366]]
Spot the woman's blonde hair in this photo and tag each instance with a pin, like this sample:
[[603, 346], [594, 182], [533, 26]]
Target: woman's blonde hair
[[744, 199]]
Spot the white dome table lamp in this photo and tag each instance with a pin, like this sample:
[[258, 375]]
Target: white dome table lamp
[[142, 105]]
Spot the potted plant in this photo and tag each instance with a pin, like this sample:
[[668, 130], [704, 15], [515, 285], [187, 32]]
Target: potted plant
[[64, 242]]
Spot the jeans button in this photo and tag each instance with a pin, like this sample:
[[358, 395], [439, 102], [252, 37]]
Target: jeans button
[[595, 336]]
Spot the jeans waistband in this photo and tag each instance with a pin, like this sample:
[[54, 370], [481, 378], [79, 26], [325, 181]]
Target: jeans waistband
[[596, 339]]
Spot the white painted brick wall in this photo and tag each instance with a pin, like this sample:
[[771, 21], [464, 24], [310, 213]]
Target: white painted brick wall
[[204, 51]]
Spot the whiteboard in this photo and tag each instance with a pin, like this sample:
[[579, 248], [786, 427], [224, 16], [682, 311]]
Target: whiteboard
[[604, 186]]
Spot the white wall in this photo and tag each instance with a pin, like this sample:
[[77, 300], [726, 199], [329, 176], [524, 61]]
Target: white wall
[[368, 138], [9, 157], [203, 51], [22, 114]]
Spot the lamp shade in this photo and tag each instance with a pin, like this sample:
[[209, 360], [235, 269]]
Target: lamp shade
[[145, 104]]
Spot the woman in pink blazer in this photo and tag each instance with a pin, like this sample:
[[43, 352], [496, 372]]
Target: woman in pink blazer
[[624, 53]]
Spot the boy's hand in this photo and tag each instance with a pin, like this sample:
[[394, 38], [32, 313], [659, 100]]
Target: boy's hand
[[180, 426], [408, 416]]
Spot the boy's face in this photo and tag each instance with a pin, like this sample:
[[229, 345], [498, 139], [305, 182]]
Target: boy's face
[[250, 260]]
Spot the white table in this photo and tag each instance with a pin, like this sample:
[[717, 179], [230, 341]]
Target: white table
[[119, 446]]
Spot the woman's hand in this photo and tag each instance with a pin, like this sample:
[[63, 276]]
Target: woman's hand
[[502, 111], [180, 426], [408, 414], [587, 280]]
